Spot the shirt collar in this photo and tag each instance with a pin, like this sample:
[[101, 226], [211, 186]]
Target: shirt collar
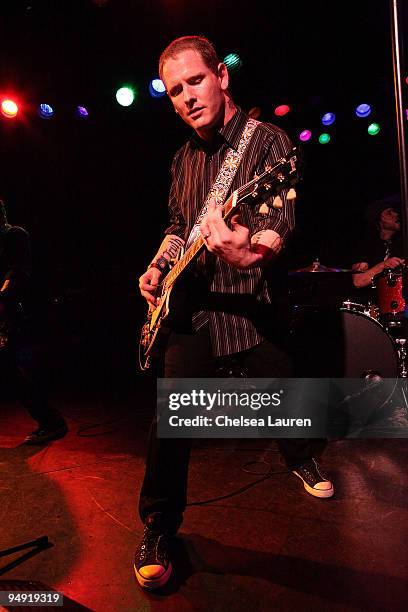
[[230, 133]]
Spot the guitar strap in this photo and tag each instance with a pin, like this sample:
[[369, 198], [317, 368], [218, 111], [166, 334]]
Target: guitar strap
[[224, 178]]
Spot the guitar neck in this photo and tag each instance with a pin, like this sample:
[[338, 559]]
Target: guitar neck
[[246, 192], [199, 244]]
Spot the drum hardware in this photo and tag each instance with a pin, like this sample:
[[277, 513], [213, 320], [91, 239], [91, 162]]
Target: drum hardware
[[402, 354], [317, 267], [370, 309], [320, 285], [403, 371]]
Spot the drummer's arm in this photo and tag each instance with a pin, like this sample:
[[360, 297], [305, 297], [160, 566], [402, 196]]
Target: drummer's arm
[[366, 274]]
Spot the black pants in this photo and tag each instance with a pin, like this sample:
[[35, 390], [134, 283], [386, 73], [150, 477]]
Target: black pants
[[163, 496], [22, 378]]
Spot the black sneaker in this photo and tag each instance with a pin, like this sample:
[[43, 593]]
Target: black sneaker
[[314, 481], [152, 564], [42, 435]]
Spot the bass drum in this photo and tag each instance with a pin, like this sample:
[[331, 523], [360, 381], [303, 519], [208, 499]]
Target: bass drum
[[371, 375], [340, 343], [355, 352], [367, 347]]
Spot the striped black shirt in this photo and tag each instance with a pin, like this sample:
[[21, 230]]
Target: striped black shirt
[[231, 296]]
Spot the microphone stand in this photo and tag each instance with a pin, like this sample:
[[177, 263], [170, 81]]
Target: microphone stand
[[397, 20], [399, 70]]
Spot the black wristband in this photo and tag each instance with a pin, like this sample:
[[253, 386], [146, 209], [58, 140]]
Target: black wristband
[[161, 264]]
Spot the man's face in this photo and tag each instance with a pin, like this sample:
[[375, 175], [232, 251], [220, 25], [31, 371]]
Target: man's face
[[389, 220], [196, 92]]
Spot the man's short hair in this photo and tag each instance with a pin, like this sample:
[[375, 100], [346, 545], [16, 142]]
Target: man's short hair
[[197, 43]]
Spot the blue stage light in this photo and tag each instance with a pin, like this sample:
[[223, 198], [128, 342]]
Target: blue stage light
[[328, 118], [45, 111], [157, 88], [363, 110]]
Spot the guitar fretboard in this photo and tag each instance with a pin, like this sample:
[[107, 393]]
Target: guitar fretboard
[[231, 203], [194, 249]]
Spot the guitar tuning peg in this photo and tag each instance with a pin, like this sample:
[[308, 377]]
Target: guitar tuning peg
[[264, 208], [291, 195], [277, 202]]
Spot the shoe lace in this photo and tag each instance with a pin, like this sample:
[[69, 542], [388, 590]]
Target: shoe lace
[[309, 468], [150, 544]]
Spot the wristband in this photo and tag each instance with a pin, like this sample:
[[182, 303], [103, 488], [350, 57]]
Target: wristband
[[161, 264]]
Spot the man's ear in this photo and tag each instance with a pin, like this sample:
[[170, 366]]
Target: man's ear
[[223, 76]]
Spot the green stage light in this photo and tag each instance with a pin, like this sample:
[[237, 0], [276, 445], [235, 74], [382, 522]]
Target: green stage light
[[373, 129], [125, 96], [324, 138], [232, 61]]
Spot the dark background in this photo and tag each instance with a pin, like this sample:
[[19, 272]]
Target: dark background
[[93, 193]]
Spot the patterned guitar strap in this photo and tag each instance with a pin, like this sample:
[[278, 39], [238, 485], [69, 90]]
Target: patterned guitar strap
[[224, 178]]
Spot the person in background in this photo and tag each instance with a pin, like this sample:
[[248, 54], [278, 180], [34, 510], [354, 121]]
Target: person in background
[[19, 363]]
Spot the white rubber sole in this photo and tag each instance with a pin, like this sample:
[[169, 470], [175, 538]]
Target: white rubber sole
[[316, 492], [156, 583]]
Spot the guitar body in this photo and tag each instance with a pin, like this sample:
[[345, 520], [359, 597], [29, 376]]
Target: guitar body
[[154, 333], [170, 313]]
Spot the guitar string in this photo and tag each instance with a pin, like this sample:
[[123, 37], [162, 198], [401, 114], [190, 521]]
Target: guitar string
[[199, 242]]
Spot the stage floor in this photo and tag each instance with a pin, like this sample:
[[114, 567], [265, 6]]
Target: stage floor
[[271, 547]]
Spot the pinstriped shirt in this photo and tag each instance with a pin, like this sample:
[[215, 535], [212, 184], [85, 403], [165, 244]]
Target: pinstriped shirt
[[230, 297]]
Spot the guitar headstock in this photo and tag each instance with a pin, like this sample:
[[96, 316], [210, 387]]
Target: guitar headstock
[[282, 175]]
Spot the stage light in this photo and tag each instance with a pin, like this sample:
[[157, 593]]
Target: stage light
[[82, 112], [9, 109], [282, 110], [125, 96], [305, 135], [328, 118], [157, 88], [363, 110], [373, 129], [232, 61], [45, 111], [324, 138]]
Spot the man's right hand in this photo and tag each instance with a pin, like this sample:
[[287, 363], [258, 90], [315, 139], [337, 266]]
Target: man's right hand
[[148, 284]]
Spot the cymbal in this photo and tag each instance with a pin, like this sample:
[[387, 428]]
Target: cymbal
[[316, 266]]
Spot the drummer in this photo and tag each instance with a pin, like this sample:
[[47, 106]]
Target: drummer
[[382, 248]]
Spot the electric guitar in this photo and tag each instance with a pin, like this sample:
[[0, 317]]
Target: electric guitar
[[282, 175]]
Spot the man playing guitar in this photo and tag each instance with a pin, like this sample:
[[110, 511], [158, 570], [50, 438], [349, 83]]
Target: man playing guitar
[[230, 323]]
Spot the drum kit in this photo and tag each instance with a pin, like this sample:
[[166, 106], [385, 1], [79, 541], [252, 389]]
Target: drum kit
[[336, 336]]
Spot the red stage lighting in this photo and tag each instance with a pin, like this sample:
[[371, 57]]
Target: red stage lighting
[[282, 110], [9, 108]]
